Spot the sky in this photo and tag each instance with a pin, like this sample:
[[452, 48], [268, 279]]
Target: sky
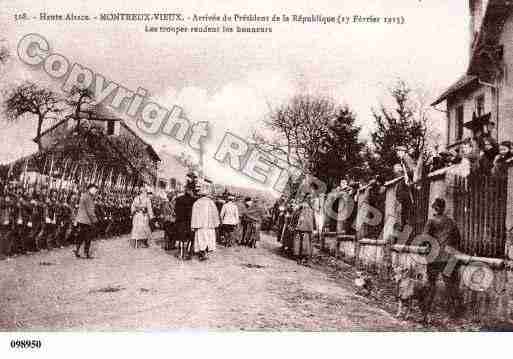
[[231, 79]]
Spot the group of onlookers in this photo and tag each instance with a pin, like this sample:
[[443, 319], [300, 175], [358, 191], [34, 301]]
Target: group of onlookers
[[481, 155], [194, 222]]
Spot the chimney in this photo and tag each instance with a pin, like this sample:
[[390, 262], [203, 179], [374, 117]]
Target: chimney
[[477, 10]]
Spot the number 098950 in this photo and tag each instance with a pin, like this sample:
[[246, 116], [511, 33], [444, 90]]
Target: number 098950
[[25, 344]]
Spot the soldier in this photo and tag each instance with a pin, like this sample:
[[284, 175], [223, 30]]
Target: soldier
[[36, 220], [41, 236], [30, 206], [64, 220], [117, 228], [47, 235], [21, 214], [108, 214], [59, 222], [51, 218]]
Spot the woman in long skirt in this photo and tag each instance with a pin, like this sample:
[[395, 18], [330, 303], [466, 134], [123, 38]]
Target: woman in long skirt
[[253, 216], [142, 215]]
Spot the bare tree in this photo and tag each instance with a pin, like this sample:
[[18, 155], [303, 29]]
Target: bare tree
[[29, 98], [305, 130]]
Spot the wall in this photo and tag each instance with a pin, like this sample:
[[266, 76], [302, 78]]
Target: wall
[[468, 98]]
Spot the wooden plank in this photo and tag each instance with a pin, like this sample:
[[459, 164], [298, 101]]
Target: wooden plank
[[487, 192], [494, 239], [493, 213], [481, 194], [475, 216], [468, 229], [501, 251]]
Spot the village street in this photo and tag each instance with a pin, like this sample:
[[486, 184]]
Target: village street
[[148, 289]]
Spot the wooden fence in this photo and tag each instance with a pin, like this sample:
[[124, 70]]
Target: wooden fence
[[480, 213]]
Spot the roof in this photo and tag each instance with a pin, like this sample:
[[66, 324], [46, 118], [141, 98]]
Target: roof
[[463, 81], [51, 128], [495, 15], [66, 118], [149, 147]]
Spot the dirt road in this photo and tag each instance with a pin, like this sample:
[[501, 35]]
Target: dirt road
[[148, 289]]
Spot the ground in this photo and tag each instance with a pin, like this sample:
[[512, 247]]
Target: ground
[[148, 289]]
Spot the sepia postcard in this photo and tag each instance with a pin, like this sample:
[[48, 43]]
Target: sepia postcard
[[182, 170]]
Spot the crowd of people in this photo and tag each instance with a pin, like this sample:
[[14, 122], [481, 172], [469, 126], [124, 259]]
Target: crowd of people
[[44, 217], [195, 221]]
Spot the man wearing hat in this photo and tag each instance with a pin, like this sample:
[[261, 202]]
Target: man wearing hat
[[183, 212], [86, 218], [230, 220], [204, 222]]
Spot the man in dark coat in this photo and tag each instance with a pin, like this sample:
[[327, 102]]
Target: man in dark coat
[[86, 219], [183, 212]]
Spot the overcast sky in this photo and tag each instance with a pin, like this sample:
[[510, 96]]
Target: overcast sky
[[229, 79]]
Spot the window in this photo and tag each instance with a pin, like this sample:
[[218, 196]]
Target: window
[[110, 128], [459, 122], [480, 104]]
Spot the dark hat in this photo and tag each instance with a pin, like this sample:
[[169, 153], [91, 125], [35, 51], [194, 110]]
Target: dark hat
[[247, 199]]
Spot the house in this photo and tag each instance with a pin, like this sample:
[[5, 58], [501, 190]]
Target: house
[[119, 147], [481, 101]]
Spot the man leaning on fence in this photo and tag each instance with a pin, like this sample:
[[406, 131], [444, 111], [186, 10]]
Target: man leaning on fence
[[442, 236]]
